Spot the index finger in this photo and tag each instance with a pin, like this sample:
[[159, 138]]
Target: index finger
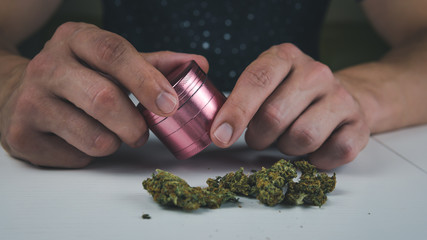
[[115, 56], [253, 87]]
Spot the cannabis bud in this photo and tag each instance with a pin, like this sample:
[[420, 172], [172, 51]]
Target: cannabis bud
[[267, 185], [311, 188], [170, 190]]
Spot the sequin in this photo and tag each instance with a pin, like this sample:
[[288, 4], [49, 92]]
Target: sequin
[[227, 36], [206, 33], [205, 45], [186, 24]]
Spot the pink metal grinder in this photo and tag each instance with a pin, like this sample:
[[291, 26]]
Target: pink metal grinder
[[186, 133]]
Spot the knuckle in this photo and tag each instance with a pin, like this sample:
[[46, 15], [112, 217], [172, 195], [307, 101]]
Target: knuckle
[[260, 77], [103, 144], [346, 104], [59, 77], [346, 151], [318, 74], [135, 135], [24, 102], [42, 65], [286, 51], [105, 98], [304, 137], [345, 98], [65, 29], [69, 28], [15, 139], [271, 116], [322, 71], [111, 49], [28, 103], [348, 148]]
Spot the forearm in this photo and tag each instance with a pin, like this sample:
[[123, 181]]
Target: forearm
[[392, 90], [18, 20]]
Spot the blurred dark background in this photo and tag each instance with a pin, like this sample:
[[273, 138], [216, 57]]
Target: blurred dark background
[[347, 37]]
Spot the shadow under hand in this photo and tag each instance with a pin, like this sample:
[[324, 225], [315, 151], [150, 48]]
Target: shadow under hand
[[154, 155]]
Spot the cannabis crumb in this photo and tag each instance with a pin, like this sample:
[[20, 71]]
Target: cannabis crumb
[[267, 185], [146, 216]]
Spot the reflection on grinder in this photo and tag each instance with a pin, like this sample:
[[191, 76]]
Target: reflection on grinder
[[186, 133]]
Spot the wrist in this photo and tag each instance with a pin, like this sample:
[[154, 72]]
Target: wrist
[[379, 98], [11, 69]]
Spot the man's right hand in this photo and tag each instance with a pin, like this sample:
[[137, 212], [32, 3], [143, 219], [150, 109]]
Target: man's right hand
[[69, 105]]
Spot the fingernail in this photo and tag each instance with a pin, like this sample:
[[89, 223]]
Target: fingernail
[[224, 132], [166, 102]]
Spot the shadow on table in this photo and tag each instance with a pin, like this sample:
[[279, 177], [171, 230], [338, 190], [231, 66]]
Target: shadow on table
[[155, 156]]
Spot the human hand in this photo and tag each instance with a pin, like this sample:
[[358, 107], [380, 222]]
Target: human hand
[[286, 97], [70, 106]]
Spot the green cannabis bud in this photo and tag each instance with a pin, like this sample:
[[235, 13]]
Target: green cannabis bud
[[170, 190], [312, 186], [236, 182], [267, 185]]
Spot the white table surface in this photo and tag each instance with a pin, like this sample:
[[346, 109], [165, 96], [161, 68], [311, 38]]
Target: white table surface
[[410, 144], [381, 195]]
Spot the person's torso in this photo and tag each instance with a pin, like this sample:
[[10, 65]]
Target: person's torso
[[230, 34]]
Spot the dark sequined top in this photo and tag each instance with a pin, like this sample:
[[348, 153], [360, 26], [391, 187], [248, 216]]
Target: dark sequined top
[[229, 33]]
